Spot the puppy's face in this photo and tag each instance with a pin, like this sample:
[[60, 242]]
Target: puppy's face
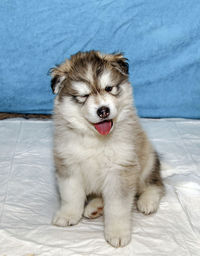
[[91, 86]]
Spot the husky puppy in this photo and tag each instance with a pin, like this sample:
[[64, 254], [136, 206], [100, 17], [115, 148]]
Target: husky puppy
[[102, 156]]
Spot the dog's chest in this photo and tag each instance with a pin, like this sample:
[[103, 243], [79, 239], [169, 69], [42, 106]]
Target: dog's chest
[[95, 159], [96, 167], [102, 160]]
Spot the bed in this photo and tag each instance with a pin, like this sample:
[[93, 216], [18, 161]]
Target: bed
[[29, 196]]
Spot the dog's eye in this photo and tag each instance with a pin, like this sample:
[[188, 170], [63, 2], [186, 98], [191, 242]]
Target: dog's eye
[[108, 88], [113, 90], [82, 98]]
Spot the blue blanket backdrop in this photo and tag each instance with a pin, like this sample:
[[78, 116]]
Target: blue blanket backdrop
[[161, 39]]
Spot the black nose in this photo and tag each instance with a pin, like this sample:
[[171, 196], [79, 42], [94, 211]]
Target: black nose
[[103, 112]]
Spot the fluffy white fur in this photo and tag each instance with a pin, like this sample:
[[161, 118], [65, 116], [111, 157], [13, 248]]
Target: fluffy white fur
[[109, 166]]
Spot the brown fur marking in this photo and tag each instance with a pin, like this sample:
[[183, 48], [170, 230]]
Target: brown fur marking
[[78, 66], [155, 178]]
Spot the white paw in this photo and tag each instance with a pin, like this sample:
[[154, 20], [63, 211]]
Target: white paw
[[94, 208], [65, 218], [117, 236], [148, 202]]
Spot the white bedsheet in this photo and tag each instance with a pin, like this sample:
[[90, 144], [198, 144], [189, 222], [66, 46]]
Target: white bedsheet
[[28, 196]]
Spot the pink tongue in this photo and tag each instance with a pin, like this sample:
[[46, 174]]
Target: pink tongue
[[104, 127]]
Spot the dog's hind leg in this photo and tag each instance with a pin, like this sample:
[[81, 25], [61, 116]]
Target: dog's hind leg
[[93, 208], [149, 200], [151, 190]]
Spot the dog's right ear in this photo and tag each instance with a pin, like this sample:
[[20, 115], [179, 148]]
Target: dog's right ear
[[59, 74], [56, 81]]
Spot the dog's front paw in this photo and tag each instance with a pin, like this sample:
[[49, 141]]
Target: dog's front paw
[[117, 236], [65, 218]]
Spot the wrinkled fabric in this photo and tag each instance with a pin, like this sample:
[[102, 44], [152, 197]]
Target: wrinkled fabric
[[29, 196], [160, 38]]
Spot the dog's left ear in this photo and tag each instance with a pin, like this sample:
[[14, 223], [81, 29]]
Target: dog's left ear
[[119, 62]]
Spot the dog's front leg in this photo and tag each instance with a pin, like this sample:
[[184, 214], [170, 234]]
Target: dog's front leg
[[117, 213], [72, 201]]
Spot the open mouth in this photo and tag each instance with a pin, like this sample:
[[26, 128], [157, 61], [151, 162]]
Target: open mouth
[[104, 127]]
